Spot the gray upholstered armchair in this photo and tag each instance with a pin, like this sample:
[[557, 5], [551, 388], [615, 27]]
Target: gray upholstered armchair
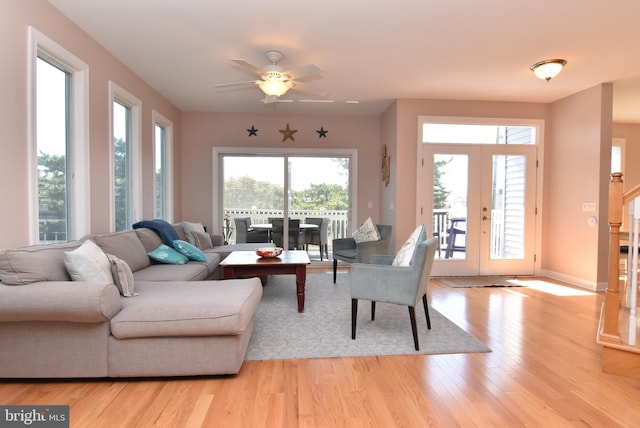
[[347, 250], [379, 281]]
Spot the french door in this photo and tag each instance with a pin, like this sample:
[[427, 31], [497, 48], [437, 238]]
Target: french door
[[481, 206]]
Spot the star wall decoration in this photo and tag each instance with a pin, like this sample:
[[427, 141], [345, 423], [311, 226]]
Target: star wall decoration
[[322, 133], [288, 133], [253, 132]]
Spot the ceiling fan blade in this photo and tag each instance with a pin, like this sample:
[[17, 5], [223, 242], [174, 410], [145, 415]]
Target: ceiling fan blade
[[310, 89], [223, 85], [247, 67], [307, 72]]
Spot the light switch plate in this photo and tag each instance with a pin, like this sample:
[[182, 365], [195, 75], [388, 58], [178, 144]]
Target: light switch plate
[[588, 207]]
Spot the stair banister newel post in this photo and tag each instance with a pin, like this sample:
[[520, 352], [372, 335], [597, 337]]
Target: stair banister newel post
[[610, 329], [632, 286]]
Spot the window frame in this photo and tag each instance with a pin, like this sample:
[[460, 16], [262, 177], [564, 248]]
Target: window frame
[[78, 177], [160, 120], [218, 180], [125, 98]]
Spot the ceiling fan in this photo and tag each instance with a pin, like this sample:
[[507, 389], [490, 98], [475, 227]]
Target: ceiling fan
[[274, 80]]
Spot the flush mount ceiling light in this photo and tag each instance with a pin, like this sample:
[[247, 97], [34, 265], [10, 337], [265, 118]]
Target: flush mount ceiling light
[[548, 68]]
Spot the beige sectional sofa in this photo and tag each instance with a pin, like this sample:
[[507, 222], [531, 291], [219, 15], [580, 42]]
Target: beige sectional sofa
[[183, 321]]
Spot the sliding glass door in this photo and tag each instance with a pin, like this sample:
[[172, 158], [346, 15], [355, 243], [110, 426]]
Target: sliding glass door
[[297, 186]]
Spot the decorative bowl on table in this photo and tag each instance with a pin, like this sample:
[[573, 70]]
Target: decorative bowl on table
[[269, 252]]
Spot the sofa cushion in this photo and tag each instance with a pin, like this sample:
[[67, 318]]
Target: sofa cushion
[[202, 240], [192, 271], [168, 255], [203, 308], [191, 251], [126, 246], [149, 239], [180, 231], [88, 263], [189, 228], [122, 276], [35, 263]]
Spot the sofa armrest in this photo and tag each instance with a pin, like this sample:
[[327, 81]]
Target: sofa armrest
[[71, 301], [217, 240]]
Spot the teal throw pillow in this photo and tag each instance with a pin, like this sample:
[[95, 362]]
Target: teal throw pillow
[[166, 254], [191, 251]]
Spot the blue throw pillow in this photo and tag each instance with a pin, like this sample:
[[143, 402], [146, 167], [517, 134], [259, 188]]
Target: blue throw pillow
[[166, 254], [191, 251]]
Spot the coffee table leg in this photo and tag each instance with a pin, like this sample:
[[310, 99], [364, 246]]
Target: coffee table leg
[[301, 278]]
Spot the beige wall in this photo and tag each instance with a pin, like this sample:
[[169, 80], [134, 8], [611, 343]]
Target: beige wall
[[203, 131], [577, 164], [15, 18]]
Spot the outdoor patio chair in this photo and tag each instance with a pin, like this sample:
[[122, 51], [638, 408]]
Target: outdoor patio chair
[[318, 236]]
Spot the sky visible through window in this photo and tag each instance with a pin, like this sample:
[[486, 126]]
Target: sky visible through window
[[305, 171]]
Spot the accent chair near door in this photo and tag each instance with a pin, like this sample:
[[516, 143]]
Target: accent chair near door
[[381, 281]]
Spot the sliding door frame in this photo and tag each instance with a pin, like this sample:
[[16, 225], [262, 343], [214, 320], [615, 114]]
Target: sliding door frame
[[217, 174]]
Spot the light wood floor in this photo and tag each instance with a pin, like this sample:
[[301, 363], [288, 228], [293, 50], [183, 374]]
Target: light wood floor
[[544, 371]]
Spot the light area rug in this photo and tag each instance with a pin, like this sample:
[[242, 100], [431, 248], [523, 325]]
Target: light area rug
[[481, 281], [324, 328]]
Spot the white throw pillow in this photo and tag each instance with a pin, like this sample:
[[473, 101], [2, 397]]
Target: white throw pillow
[[366, 232], [405, 255], [190, 228], [88, 263], [122, 276]]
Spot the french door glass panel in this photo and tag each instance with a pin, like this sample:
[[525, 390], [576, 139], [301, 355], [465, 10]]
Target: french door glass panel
[[482, 208]]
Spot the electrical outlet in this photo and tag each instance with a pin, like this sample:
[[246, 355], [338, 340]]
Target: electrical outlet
[[588, 207]]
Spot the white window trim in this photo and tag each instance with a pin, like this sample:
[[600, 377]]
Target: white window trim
[[159, 119], [216, 196], [539, 124], [119, 94], [41, 45]]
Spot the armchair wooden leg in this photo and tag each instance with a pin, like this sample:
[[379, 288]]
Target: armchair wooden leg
[[373, 310], [354, 316], [414, 327], [426, 311], [335, 269]]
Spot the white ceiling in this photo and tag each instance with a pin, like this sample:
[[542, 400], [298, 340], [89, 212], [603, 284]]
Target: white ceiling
[[372, 51]]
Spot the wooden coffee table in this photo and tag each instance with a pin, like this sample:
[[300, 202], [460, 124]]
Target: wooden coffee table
[[248, 263]]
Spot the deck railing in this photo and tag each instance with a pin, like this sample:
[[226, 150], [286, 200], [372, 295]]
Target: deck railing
[[338, 220]]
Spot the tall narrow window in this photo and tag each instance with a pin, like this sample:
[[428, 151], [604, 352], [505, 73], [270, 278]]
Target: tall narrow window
[[58, 157], [125, 159], [163, 189], [53, 151], [159, 170], [122, 165]]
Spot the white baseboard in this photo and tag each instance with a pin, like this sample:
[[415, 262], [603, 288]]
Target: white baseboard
[[578, 282]]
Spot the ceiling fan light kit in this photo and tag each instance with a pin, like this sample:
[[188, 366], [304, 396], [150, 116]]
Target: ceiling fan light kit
[[275, 87], [274, 80], [548, 69]]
